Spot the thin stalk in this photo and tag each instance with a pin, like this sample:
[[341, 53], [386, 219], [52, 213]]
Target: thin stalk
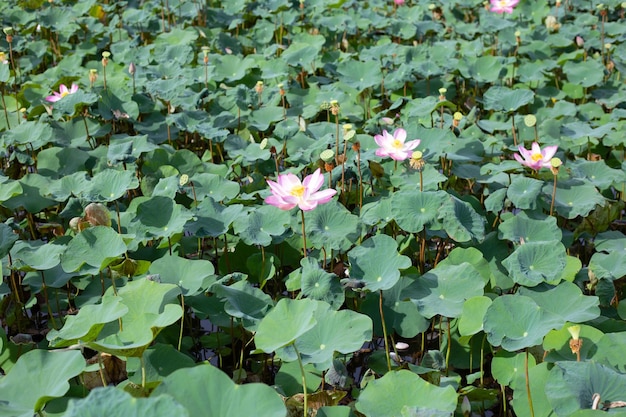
[[47, 301], [4, 107], [530, 398], [143, 372], [182, 322], [303, 234], [553, 197], [449, 346], [303, 375], [382, 319], [514, 131]]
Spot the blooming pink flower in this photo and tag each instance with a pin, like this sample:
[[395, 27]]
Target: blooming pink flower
[[288, 192], [503, 6], [63, 91], [536, 158], [399, 2], [395, 146]]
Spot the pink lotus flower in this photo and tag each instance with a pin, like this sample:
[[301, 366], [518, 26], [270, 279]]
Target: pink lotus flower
[[63, 91], [395, 146], [536, 158], [288, 192], [503, 6], [399, 2]]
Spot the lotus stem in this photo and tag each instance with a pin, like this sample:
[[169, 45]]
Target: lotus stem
[[382, 319], [182, 322], [449, 345], [143, 371], [513, 129], [303, 234], [553, 196], [303, 375], [530, 398], [47, 301]]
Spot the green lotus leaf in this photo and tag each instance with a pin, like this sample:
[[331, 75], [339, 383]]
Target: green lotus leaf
[[585, 73], [57, 162], [289, 378], [495, 201], [110, 106], [72, 103], [218, 396], [521, 228], [244, 301], [287, 321], [557, 345], [431, 178], [524, 192], [538, 375], [212, 219], [159, 217], [87, 324], [607, 350], [110, 184], [517, 322], [261, 225], [571, 386], [597, 173], [564, 300], [331, 226], [471, 320], [582, 130], [318, 284], [71, 184], [610, 241], [35, 255], [37, 377], [472, 256], [360, 75], [9, 189], [505, 99], [461, 221], [231, 68], [150, 309], [128, 148], [160, 360], [96, 246], [33, 196], [536, 262], [484, 69], [387, 396], [365, 263], [575, 198], [187, 162], [262, 267], [214, 186], [192, 276], [261, 120], [444, 289], [506, 366], [413, 210], [7, 239], [117, 403]]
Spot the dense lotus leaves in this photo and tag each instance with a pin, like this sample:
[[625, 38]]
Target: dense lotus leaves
[[557, 345], [37, 377], [414, 210], [57, 162], [218, 395], [484, 69], [578, 130], [150, 309], [287, 321], [461, 221], [160, 360], [87, 324], [128, 149], [564, 300], [571, 386], [611, 266], [118, 403], [96, 246], [212, 219], [28, 134], [597, 173], [158, 217], [245, 302], [110, 184], [331, 226], [444, 289], [506, 99], [360, 75], [431, 179], [289, 378], [586, 73], [214, 186], [365, 263], [536, 262], [522, 228], [575, 198], [524, 192], [230, 68], [389, 395], [303, 52], [37, 255], [517, 322], [33, 196], [191, 275], [471, 320], [318, 284], [260, 226]]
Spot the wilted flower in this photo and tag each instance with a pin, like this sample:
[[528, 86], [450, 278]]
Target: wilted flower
[[536, 158], [288, 192], [63, 91], [503, 6], [395, 146]]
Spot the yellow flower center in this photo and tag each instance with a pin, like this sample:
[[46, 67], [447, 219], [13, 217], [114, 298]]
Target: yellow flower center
[[503, 3], [397, 144], [536, 157], [64, 93], [297, 191]]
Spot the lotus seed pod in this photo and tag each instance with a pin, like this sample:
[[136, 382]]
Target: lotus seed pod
[[184, 179], [530, 120], [97, 215], [327, 155], [556, 162]]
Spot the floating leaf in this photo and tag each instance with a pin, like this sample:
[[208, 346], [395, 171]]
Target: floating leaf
[[318, 284], [505, 99], [192, 276], [564, 300], [331, 226], [521, 228], [413, 210], [261, 225], [575, 198], [288, 320], [524, 192], [96, 246], [536, 262]]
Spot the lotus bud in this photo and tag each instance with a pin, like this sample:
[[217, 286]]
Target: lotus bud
[[8, 31], [93, 76], [131, 68], [334, 107], [466, 407], [281, 90], [259, 87], [580, 42], [518, 37], [576, 343], [97, 215]]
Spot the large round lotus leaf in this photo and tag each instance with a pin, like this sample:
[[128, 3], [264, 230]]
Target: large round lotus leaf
[[609, 350], [571, 386], [150, 309], [260, 225], [564, 300], [37, 377], [36, 255], [288, 320], [212, 219], [391, 394], [533, 263], [318, 284], [96, 246], [557, 345], [58, 162], [33, 197], [331, 226], [524, 192], [610, 241], [521, 228], [289, 378], [30, 133], [231, 68], [506, 366], [537, 376], [110, 184], [191, 275], [214, 186], [365, 263], [483, 69], [472, 256], [611, 266], [7, 239], [160, 360], [377, 212], [73, 102], [597, 172], [431, 178], [461, 221], [71, 184], [9, 189], [574, 198], [244, 301], [443, 290], [586, 73], [128, 148], [87, 324], [343, 331], [505, 99], [218, 396], [517, 322], [114, 402], [159, 217], [360, 75], [413, 210], [471, 320]]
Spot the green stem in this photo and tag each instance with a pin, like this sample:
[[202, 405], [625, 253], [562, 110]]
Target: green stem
[[530, 399], [303, 234], [143, 371], [182, 322], [553, 197], [382, 319], [303, 375], [448, 347]]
